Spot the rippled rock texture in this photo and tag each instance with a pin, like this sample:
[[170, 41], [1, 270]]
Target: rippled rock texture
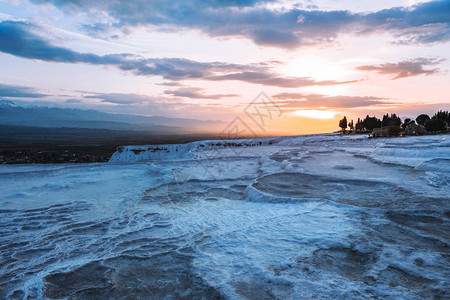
[[318, 217]]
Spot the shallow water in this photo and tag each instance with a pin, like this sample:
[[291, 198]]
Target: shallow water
[[300, 219]]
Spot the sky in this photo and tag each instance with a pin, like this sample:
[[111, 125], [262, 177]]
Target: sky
[[277, 67]]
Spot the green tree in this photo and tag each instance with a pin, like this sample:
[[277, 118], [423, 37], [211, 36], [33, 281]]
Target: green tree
[[343, 123], [371, 122], [422, 119], [394, 130], [407, 122], [359, 126], [442, 115], [435, 125], [391, 120]]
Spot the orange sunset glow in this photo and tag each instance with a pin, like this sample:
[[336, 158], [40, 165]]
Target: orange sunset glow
[[224, 149], [317, 61]]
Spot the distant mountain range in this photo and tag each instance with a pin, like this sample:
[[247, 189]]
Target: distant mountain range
[[41, 116]]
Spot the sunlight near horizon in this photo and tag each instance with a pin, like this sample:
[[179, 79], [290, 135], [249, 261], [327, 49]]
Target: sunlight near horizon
[[345, 56], [316, 114], [316, 67], [224, 149]]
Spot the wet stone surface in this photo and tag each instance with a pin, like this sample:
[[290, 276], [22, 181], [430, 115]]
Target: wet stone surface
[[318, 219]]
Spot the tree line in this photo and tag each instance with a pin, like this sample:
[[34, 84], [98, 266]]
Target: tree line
[[392, 125]]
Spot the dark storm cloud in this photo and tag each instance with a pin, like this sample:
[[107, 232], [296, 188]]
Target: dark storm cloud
[[20, 39], [196, 93], [406, 68], [298, 100], [16, 91], [423, 23]]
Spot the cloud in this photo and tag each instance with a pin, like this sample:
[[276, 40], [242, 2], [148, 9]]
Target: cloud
[[271, 79], [139, 104], [16, 91], [270, 37], [72, 101], [427, 22], [298, 100], [406, 68], [196, 93], [118, 98], [169, 84], [20, 39], [423, 23]]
